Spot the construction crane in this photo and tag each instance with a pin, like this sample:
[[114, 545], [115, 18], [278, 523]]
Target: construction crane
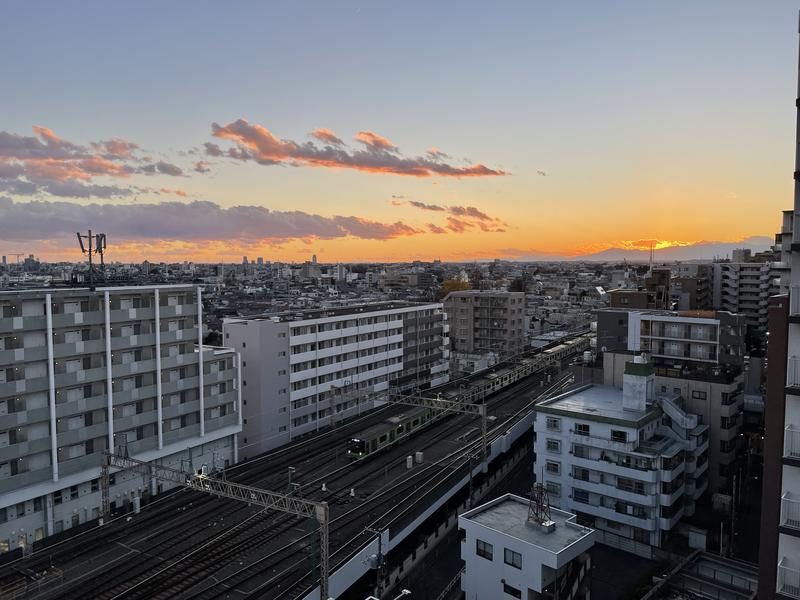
[[235, 491]]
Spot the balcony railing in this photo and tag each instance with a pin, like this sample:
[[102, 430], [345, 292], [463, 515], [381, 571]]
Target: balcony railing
[[788, 580], [794, 300], [793, 372], [790, 511], [791, 442]]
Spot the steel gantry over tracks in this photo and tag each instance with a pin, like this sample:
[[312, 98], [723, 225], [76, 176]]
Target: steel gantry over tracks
[[445, 406], [235, 491]]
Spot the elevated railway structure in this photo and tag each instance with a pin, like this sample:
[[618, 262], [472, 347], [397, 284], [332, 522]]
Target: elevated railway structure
[[188, 543]]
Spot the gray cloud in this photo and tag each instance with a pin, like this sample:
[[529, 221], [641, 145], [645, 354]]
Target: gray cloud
[[192, 221], [162, 167]]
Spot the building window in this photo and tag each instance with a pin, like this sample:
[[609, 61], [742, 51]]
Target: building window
[[513, 558], [553, 424], [554, 446], [619, 436], [512, 591], [580, 473], [553, 467], [696, 395], [483, 549], [244, 344], [581, 496], [582, 428], [553, 489]]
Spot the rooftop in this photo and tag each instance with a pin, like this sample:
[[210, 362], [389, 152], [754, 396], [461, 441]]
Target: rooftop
[[509, 515], [321, 313], [599, 403]]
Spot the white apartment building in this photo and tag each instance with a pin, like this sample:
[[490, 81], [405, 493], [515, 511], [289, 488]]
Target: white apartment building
[[83, 371], [508, 555], [629, 463], [306, 370], [696, 354]]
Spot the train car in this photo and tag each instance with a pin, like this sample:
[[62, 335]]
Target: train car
[[384, 433]]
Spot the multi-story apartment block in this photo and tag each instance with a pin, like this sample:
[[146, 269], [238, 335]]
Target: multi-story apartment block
[[697, 354], [630, 463], [744, 288], [487, 321], [84, 371], [306, 370], [509, 555], [690, 287]]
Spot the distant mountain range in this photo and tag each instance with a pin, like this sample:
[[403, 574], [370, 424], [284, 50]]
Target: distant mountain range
[[698, 251]]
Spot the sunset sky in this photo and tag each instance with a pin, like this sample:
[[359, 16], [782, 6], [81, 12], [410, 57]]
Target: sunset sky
[[376, 131]]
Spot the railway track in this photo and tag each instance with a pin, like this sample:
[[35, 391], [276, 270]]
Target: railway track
[[171, 528]]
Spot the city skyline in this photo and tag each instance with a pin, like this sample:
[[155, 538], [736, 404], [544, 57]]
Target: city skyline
[[531, 132]]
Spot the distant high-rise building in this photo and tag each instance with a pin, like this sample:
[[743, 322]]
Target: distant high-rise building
[[314, 259], [244, 260], [5, 261], [260, 261]]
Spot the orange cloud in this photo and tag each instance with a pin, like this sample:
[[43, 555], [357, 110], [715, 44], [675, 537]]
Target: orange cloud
[[375, 141], [323, 134], [254, 142]]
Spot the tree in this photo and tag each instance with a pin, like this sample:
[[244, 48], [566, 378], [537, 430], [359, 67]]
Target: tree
[[452, 285]]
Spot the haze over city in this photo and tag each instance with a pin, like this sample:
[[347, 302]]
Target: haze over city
[[378, 132]]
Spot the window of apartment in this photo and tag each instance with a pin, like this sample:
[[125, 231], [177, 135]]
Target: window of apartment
[[728, 422], [697, 395], [582, 428], [553, 489], [553, 446], [484, 549], [553, 467], [580, 473], [553, 424], [512, 591], [244, 344], [581, 496], [619, 436], [512, 558]]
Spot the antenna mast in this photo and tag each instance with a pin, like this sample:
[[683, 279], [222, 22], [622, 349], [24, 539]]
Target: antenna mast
[[96, 245]]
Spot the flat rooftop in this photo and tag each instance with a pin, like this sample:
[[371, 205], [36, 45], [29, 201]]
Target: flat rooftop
[[321, 313], [599, 402], [509, 515]]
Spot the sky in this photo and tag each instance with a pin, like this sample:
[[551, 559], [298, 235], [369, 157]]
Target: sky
[[393, 131]]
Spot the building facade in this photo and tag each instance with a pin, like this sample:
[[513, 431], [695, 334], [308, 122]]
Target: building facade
[[85, 371], [697, 354], [630, 463], [508, 555], [487, 321], [306, 370]]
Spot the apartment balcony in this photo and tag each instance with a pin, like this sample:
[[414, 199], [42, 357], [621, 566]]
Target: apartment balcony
[[791, 445], [788, 580], [606, 465], [611, 491], [671, 474], [790, 512], [794, 304], [602, 443], [642, 522], [793, 376]]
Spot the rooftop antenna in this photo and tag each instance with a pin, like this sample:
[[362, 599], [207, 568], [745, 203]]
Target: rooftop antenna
[[95, 244], [539, 507]]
